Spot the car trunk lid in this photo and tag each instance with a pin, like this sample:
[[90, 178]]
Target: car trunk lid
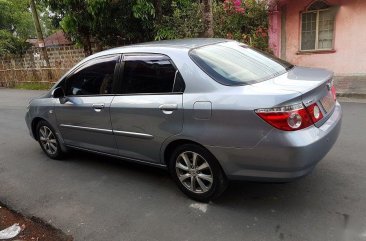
[[315, 86]]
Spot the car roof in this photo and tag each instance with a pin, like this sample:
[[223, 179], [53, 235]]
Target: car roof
[[183, 43], [163, 45], [176, 43]]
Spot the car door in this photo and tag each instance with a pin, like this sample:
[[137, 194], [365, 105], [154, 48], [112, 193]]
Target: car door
[[147, 108], [83, 115]]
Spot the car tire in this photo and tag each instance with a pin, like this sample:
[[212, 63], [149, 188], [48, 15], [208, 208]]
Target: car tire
[[197, 172], [48, 140]]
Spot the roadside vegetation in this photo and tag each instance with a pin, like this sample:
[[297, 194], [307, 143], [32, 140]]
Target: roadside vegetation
[[118, 22], [33, 86], [16, 26], [110, 23]]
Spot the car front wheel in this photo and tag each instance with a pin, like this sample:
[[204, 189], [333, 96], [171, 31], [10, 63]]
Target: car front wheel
[[48, 140], [197, 172]]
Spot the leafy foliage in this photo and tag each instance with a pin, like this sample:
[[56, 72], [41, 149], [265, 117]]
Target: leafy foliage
[[143, 10], [118, 22], [246, 21], [16, 25], [184, 22], [243, 20], [10, 44], [106, 22]]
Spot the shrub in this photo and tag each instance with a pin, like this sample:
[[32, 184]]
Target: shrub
[[184, 22], [243, 20]]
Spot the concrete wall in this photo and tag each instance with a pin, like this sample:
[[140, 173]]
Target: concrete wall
[[31, 67], [64, 56], [349, 58]]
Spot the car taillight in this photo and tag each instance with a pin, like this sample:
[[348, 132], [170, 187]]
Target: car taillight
[[291, 118], [334, 93], [333, 89], [314, 112]]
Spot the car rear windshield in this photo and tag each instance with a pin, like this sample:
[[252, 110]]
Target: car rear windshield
[[237, 64]]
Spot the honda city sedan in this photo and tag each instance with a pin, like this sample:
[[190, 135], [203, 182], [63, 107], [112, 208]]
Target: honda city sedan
[[207, 110]]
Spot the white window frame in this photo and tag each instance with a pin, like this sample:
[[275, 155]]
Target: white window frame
[[316, 31]]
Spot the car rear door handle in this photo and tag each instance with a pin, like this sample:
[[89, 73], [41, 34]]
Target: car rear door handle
[[98, 107], [168, 108]]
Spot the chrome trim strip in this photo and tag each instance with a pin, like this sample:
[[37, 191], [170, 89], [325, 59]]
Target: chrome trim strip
[[133, 134], [105, 131], [119, 157]]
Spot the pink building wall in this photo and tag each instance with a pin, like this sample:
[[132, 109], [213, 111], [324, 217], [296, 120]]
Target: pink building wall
[[349, 57], [274, 31]]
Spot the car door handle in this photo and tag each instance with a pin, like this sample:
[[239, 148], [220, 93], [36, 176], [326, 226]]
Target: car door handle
[[168, 107], [98, 107]]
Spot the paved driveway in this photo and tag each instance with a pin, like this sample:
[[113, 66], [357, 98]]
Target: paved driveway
[[98, 198]]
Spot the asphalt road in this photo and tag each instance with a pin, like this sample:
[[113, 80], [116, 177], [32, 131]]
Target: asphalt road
[[98, 198]]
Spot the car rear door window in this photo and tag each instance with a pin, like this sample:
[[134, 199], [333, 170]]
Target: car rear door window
[[149, 74], [93, 78]]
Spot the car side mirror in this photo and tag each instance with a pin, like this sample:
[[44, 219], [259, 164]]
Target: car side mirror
[[58, 92]]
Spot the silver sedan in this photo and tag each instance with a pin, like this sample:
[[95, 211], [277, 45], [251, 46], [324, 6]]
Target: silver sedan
[[208, 110]]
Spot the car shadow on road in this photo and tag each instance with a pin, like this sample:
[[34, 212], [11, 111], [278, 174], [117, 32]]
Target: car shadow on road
[[111, 165], [314, 190], [239, 193]]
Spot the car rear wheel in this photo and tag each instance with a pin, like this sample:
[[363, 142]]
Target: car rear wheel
[[48, 141], [197, 172]]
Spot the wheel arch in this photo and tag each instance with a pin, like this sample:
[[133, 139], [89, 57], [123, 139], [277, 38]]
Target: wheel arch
[[174, 144], [34, 124], [178, 142]]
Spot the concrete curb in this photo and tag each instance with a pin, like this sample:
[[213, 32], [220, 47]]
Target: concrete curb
[[352, 95]]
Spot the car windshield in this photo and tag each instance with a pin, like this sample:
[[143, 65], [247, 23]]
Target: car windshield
[[237, 64]]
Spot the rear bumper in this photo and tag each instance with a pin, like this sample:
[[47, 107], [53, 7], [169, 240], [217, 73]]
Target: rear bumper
[[281, 155]]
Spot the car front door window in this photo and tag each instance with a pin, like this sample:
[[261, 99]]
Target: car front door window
[[95, 78]]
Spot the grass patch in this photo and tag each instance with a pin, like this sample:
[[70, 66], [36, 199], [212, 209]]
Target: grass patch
[[33, 86]]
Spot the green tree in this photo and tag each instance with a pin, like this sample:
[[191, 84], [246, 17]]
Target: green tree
[[74, 20], [16, 25], [243, 20], [50, 22], [182, 20], [117, 22], [106, 22]]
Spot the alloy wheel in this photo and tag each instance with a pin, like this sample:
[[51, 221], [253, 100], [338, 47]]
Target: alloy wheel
[[194, 172], [48, 140]]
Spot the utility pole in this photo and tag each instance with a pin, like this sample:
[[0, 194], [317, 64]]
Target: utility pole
[[40, 36]]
